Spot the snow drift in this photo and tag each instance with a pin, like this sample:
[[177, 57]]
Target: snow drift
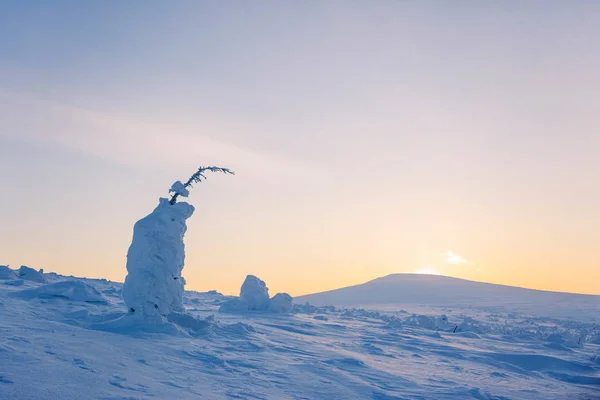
[[74, 290]]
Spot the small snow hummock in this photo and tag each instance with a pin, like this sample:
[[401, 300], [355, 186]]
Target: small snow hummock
[[254, 296], [154, 286], [281, 303], [30, 274], [74, 290]]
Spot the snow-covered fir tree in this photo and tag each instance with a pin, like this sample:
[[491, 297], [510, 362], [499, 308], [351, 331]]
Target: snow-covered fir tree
[[154, 285]]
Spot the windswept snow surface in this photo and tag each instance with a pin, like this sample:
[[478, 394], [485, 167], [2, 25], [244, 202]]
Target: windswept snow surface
[[75, 290], [7, 273], [55, 347]]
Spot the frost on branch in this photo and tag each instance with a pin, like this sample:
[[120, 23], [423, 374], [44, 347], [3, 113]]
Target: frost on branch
[[181, 189]]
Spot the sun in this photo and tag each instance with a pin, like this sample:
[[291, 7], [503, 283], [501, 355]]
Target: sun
[[427, 271]]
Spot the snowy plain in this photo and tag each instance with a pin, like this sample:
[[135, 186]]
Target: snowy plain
[[64, 338]]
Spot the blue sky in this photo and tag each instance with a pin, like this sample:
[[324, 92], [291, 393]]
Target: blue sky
[[368, 138]]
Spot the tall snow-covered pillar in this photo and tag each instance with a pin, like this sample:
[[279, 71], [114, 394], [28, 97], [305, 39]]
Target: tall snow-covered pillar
[[154, 286]]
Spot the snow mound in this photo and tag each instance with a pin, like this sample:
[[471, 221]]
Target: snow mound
[[191, 323], [6, 273], [154, 285], [72, 290], [137, 324], [254, 296], [281, 303], [30, 274], [174, 324], [256, 293]]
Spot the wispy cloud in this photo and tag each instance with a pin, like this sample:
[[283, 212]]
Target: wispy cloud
[[451, 258], [147, 143]]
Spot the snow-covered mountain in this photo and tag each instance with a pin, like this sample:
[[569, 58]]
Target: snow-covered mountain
[[442, 291]]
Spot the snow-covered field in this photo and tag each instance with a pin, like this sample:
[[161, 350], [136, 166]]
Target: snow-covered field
[[59, 340]]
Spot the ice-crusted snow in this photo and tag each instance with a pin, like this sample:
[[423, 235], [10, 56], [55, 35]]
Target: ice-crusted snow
[[281, 303], [255, 293], [56, 348], [154, 285], [7, 273]]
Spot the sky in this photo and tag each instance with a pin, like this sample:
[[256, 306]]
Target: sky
[[368, 138]]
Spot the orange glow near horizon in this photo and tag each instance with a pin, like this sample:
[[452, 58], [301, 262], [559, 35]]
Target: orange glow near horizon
[[427, 271], [225, 242], [297, 280]]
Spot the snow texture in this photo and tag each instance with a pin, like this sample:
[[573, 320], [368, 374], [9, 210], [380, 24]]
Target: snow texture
[[6, 273], [30, 274], [154, 286], [52, 348], [236, 305], [72, 290], [179, 188], [255, 293]]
